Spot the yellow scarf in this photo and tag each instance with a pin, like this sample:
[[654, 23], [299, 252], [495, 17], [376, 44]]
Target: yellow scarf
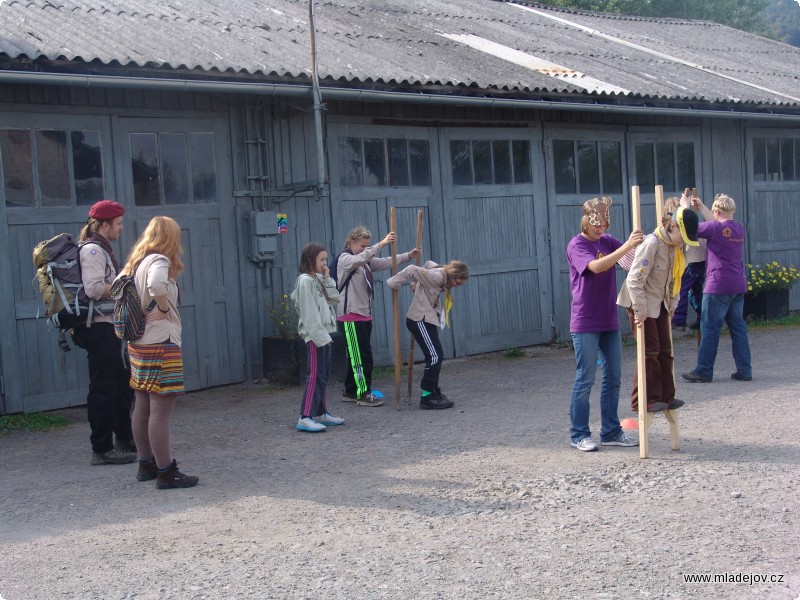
[[677, 266], [444, 318]]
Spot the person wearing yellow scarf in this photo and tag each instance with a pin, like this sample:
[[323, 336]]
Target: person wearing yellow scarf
[[426, 315], [650, 294]]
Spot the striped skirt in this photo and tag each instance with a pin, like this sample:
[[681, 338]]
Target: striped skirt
[[156, 368]]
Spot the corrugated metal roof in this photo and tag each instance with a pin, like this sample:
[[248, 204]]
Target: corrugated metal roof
[[528, 50]]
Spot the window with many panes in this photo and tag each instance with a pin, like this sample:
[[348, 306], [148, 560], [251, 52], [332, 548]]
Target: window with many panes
[[51, 167], [384, 162], [173, 168], [670, 164], [486, 162], [587, 167], [776, 159]]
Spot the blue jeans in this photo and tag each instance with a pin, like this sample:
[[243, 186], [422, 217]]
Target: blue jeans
[[608, 345], [719, 308]]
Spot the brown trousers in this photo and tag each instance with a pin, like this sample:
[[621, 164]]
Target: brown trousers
[[658, 360]]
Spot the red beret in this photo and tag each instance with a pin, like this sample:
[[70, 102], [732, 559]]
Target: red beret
[[106, 210]]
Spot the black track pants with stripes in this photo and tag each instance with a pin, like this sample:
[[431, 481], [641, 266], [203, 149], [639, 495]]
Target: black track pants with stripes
[[427, 336]]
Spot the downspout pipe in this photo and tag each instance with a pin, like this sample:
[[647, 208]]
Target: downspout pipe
[[318, 105], [356, 95]]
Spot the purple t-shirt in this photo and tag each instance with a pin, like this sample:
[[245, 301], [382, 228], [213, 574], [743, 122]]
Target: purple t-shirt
[[724, 266], [594, 295]]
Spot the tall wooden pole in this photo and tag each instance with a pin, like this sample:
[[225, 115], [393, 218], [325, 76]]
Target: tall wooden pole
[[641, 374], [398, 357], [411, 341]]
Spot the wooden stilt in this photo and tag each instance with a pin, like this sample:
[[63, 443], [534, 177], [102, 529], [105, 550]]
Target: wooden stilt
[[641, 375], [398, 357], [411, 341]]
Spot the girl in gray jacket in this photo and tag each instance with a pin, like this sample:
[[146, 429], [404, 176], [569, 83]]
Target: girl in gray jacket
[[427, 315], [354, 272], [315, 296]]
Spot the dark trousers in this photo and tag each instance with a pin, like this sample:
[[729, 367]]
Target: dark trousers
[[110, 396], [358, 380], [427, 336], [658, 360], [692, 280], [319, 368]]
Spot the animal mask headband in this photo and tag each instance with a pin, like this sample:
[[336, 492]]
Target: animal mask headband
[[598, 211]]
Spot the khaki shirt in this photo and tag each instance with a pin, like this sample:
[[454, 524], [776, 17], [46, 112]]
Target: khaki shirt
[[649, 281], [152, 279], [431, 282], [97, 271]]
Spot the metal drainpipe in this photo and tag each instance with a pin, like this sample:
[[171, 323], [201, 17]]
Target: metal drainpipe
[[318, 106], [331, 93]]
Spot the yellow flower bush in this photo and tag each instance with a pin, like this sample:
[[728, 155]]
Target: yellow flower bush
[[771, 276], [284, 317]]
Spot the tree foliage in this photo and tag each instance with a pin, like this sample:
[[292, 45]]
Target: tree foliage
[[741, 14]]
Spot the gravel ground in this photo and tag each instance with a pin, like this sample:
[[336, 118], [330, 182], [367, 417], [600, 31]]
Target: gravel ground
[[486, 500]]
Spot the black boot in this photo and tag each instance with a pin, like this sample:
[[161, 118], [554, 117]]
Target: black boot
[[147, 469], [173, 478], [435, 401]]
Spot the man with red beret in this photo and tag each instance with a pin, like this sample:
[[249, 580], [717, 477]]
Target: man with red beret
[[110, 396]]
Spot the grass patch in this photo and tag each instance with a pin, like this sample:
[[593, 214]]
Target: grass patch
[[388, 372], [31, 422], [792, 320], [514, 353]]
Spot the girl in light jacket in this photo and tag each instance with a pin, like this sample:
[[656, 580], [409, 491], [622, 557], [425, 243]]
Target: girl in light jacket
[[315, 296], [426, 315]]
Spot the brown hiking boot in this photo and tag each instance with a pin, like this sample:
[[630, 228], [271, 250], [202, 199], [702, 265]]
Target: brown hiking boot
[[173, 478], [147, 470], [112, 457]]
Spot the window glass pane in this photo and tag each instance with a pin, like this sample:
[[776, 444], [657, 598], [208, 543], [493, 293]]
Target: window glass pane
[[461, 157], [53, 165], [759, 159], [146, 176], [420, 159], [773, 160], [16, 153], [501, 155], [482, 161], [645, 169], [564, 165], [665, 164], [797, 159], [175, 168], [787, 159], [374, 162], [521, 152], [398, 163], [350, 162], [203, 167], [686, 175], [87, 167], [588, 173], [611, 165]]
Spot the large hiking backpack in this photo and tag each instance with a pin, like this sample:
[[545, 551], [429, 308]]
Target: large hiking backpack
[[129, 316], [58, 272]]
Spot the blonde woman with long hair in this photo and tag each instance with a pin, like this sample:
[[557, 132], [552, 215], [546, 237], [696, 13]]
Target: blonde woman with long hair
[[156, 362]]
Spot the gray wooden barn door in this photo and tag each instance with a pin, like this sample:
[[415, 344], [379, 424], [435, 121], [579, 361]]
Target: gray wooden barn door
[[374, 168], [492, 220], [581, 164], [54, 167], [181, 168]]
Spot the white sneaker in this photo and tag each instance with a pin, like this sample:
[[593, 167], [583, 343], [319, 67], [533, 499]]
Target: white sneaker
[[585, 445], [328, 419], [309, 424], [623, 439]]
